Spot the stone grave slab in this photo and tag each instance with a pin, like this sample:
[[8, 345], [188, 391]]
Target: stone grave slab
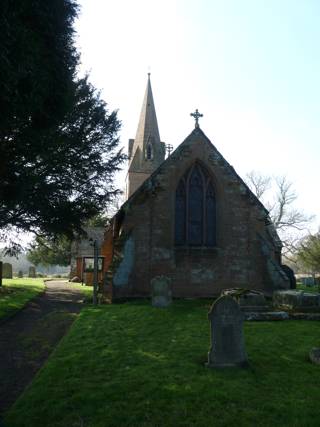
[[227, 340], [296, 300], [161, 292]]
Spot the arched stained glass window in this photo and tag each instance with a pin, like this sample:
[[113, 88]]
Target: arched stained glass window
[[195, 209]]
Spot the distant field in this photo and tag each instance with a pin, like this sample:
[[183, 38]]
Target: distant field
[[134, 365]]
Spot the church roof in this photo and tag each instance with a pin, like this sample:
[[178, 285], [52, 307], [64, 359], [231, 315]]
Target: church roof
[[149, 187], [196, 136]]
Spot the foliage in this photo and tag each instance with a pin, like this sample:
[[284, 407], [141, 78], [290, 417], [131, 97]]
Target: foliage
[[308, 253], [100, 220], [15, 293], [47, 252], [278, 196], [58, 142], [135, 365]]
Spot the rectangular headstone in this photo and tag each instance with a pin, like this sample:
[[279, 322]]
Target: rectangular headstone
[[161, 291], [227, 341]]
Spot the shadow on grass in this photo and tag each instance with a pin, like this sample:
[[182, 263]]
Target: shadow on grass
[[134, 365]]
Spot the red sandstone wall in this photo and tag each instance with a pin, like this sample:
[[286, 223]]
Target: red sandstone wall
[[238, 259]]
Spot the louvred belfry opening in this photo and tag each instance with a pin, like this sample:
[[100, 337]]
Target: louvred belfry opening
[[195, 209]]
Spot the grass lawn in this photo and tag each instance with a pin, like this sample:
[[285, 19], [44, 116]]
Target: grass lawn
[[134, 365], [15, 293]]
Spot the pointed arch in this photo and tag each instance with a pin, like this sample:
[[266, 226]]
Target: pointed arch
[[195, 209]]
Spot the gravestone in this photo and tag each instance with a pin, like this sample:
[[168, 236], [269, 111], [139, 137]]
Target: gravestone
[[20, 274], [227, 341], [308, 281], [7, 270], [314, 355], [161, 291], [32, 271], [249, 300]]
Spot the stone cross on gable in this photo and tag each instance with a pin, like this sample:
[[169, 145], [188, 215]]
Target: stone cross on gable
[[196, 115]]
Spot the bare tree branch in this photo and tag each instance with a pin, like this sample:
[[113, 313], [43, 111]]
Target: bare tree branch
[[258, 183], [287, 220]]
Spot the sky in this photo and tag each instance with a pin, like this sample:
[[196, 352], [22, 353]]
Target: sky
[[251, 67]]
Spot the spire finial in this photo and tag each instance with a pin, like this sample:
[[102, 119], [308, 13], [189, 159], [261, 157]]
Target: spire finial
[[149, 75], [196, 115]]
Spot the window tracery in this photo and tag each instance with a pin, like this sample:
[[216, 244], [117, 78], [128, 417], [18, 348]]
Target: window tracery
[[195, 209]]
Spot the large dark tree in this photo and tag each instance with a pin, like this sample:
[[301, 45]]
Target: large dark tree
[[58, 143]]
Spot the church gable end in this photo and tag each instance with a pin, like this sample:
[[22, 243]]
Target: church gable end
[[195, 221]]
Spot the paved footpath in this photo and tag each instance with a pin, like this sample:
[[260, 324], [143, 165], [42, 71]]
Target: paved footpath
[[28, 338]]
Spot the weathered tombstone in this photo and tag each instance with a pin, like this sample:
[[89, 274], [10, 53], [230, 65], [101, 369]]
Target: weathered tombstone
[[20, 274], [249, 300], [227, 341], [7, 270], [314, 355], [161, 291], [308, 281], [32, 271]]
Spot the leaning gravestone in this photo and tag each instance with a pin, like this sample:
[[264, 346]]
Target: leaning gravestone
[[249, 300], [227, 341], [161, 291], [32, 271], [7, 270]]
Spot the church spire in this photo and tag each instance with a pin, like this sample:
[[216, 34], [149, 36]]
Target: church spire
[[146, 151], [148, 124]]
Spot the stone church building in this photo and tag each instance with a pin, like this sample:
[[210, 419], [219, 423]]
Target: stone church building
[[189, 217]]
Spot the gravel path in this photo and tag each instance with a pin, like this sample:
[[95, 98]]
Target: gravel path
[[28, 338]]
